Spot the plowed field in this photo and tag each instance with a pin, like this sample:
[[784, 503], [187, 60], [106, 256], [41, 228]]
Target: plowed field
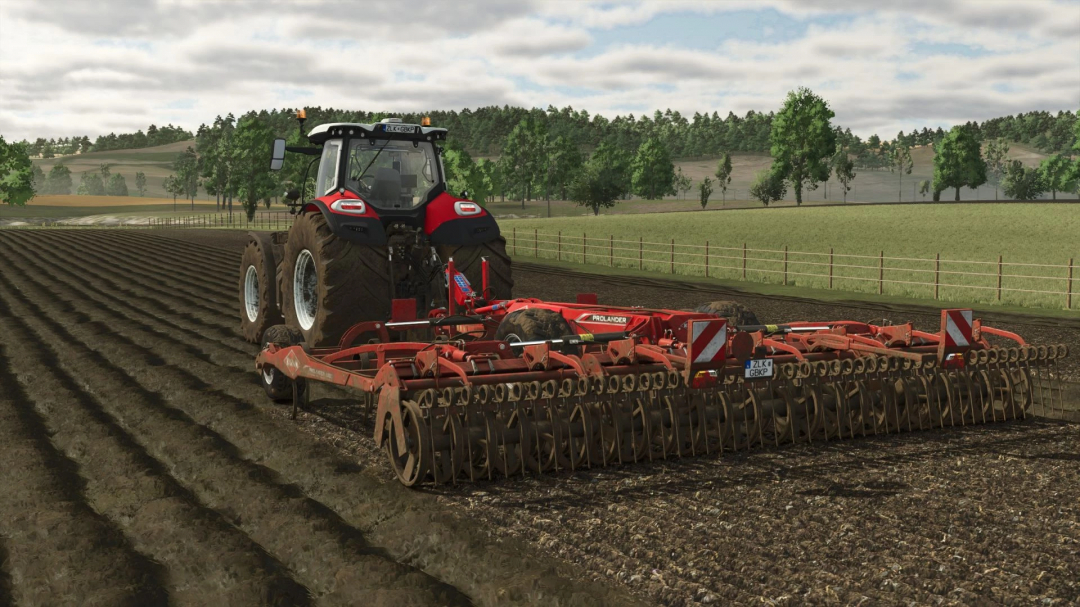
[[141, 464]]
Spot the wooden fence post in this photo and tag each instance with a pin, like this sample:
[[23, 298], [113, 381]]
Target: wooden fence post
[[999, 279], [515, 240], [830, 266], [584, 248], [560, 245], [672, 255], [611, 250], [785, 264], [744, 261], [536, 242], [1068, 286], [706, 259], [641, 252], [937, 274], [881, 274]]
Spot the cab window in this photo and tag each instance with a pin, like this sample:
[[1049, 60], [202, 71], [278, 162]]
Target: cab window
[[328, 167]]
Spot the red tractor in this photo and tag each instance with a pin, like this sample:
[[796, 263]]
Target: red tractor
[[381, 226]]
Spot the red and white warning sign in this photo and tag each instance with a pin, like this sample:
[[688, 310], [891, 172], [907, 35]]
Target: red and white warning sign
[[707, 340], [956, 326]]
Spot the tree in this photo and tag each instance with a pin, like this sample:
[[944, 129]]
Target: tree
[[652, 172], [900, 161], [705, 190], [1057, 174], [91, 184], [996, 152], [769, 185], [38, 179], [844, 168], [524, 155], [563, 162], [924, 187], [683, 183], [58, 180], [958, 161], [723, 175], [1022, 183], [16, 173], [618, 162], [140, 183], [598, 184], [251, 171], [116, 186], [186, 167], [175, 187], [802, 140]]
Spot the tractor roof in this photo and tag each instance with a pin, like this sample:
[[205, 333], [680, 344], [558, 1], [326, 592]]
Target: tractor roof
[[386, 129]]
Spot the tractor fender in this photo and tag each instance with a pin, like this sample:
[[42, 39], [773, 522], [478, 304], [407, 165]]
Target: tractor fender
[[446, 224], [361, 229]]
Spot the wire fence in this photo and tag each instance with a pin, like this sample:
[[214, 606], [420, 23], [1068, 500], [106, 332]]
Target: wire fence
[[236, 221], [997, 281]]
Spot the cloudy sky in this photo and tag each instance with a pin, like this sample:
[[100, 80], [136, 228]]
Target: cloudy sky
[[81, 67]]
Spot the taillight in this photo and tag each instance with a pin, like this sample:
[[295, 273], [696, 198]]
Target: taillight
[[466, 208], [354, 206]]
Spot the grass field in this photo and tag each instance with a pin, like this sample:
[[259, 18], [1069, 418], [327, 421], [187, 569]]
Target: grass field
[[969, 239]]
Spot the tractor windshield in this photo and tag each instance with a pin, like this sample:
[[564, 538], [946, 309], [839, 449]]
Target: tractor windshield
[[391, 174]]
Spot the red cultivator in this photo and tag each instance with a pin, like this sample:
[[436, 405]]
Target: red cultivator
[[489, 388]]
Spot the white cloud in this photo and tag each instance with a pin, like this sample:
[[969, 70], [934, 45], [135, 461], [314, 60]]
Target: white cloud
[[75, 68]]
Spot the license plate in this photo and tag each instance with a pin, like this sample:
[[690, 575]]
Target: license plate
[[756, 369], [400, 128]]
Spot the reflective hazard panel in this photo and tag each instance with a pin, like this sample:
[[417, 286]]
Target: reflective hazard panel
[[708, 338], [956, 328]]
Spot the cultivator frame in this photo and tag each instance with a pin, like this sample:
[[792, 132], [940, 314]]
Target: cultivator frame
[[455, 404]]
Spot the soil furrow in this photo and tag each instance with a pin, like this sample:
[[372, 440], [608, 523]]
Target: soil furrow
[[207, 558], [326, 554], [161, 259], [195, 325], [59, 551], [183, 291], [215, 255], [6, 589], [412, 527]]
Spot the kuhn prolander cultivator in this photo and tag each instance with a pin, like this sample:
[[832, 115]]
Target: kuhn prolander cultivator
[[483, 388]]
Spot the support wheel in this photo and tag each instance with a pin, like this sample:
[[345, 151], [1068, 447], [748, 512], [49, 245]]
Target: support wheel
[[414, 465], [277, 385], [735, 313]]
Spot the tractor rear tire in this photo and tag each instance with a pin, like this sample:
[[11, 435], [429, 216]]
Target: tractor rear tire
[[278, 386], [258, 289], [329, 284], [735, 313], [533, 324], [467, 261]]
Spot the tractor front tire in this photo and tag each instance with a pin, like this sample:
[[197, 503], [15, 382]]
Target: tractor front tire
[[258, 289], [278, 386], [467, 261], [735, 313], [329, 284]]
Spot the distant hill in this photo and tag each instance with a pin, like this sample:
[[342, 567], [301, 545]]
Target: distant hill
[[156, 162]]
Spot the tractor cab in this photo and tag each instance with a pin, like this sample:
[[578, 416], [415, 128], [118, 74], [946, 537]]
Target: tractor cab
[[376, 179], [391, 165]]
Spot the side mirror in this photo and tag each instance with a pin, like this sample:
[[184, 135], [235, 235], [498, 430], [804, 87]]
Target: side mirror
[[292, 195], [277, 158], [465, 194]]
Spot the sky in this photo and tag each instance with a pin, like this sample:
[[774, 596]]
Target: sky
[[90, 68]]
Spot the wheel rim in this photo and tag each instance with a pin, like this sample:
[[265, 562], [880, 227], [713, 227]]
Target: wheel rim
[[268, 374], [251, 293], [305, 287]]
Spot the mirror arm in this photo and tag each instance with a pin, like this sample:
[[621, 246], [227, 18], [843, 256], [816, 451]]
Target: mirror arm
[[302, 150]]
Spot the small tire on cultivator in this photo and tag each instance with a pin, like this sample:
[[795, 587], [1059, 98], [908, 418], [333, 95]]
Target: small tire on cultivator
[[461, 434]]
